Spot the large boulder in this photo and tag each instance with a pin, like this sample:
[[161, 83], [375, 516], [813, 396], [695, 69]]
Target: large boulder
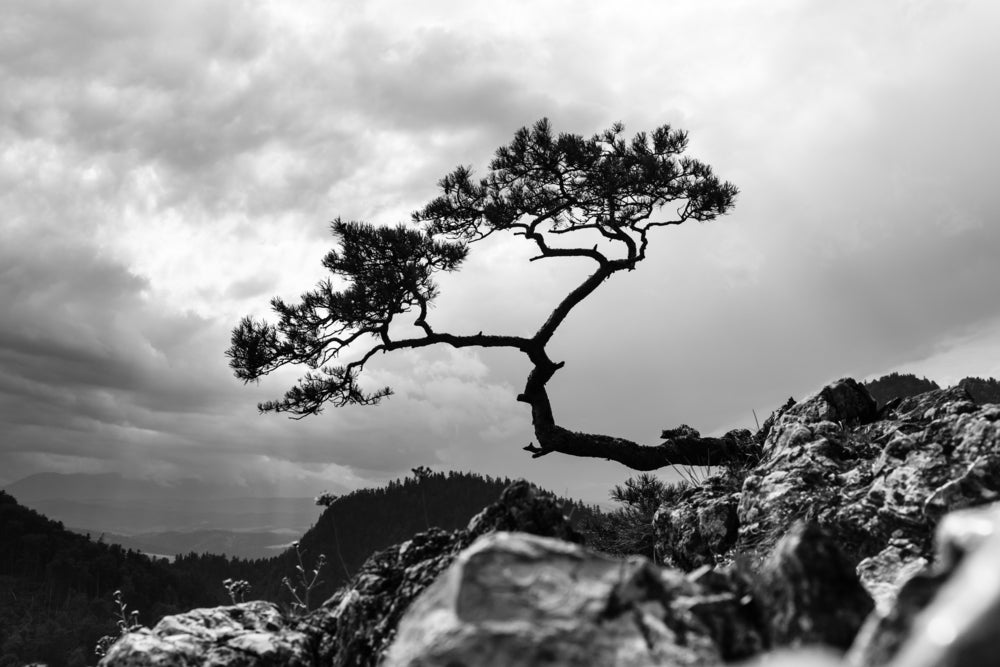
[[517, 599], [513, 598]]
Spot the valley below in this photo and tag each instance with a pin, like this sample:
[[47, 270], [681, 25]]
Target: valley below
[[165, 521]]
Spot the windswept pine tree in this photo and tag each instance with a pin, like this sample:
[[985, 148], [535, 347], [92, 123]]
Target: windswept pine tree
[[600, 199]]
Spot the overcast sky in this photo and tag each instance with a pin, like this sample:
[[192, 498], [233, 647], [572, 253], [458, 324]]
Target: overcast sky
[[166, 168]]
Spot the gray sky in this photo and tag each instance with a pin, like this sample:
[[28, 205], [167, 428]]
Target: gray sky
[[166, 168]]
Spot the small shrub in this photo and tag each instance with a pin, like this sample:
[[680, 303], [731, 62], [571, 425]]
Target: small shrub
[[127, 622], [237, 589], [303, 587], [629, 530]]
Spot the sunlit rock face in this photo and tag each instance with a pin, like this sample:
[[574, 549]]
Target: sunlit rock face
[[518, 599], [252, 634], [879, 482], [513, 598]]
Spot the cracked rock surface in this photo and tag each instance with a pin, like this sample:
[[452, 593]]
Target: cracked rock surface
[[250, 634], [518, 599], [878, 481]]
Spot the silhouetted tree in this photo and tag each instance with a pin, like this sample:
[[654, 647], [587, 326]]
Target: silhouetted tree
[[605, 192]]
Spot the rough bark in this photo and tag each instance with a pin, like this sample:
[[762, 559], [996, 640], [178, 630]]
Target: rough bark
[[692, 449]]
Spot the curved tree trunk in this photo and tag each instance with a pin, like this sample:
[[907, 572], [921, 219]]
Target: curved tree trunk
[[681, 446], [690, 449]]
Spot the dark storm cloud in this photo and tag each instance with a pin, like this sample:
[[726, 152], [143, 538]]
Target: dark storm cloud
[[90, 369], [75, 324], [93, 364]]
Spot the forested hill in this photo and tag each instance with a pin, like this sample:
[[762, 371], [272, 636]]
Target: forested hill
[[356, 525], [56, 586], [896, 385], [982, 390], [904, 385], [56, 589]]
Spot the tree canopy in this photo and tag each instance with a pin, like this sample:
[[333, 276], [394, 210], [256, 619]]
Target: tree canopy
[[596, 198]]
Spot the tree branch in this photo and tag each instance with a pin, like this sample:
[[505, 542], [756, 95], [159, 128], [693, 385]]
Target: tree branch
[[689, 450]]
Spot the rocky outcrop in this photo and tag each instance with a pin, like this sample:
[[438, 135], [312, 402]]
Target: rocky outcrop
[[517, 599], [879, 482], [250, 634], [823, 537]]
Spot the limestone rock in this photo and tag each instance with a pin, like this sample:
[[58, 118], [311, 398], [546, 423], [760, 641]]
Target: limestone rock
[[517, 599], [949, 614], [699, 527], [885, 573], [884, 632], [871, 483], [878, 483], [251, 634]]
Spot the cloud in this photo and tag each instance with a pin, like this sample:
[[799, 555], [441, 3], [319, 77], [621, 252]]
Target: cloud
[[165, 170]]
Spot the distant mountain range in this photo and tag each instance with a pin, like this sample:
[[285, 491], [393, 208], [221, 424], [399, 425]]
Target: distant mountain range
[[133, 517], [232, 543], [168, 519], [112, 486]]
